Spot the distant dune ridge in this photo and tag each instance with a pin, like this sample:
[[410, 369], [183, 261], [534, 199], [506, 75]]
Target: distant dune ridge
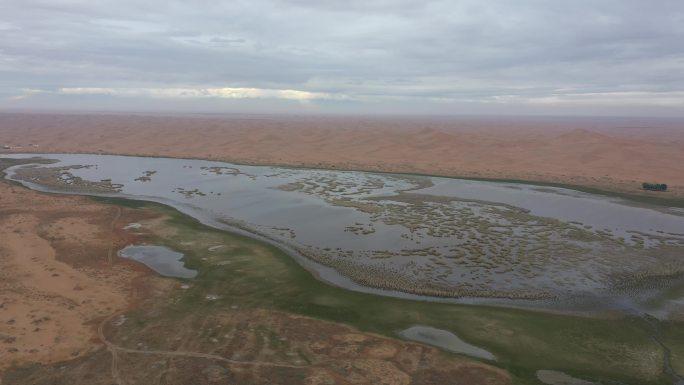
[[601, 152]]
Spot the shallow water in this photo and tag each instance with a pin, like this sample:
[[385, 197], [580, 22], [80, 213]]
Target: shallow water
[[161, 259], [554, 377], [469, 241], [445, 340]]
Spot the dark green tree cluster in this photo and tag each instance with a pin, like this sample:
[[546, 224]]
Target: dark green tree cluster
[[654, 186]]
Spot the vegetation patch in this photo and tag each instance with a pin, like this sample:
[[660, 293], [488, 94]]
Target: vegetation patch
[[654, 186], [260, 276]]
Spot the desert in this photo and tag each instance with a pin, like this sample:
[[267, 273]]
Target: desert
[[607, 153]]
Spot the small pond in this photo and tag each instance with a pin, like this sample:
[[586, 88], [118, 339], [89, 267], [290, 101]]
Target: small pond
[[161, 259], [553, 377], [446, 340]]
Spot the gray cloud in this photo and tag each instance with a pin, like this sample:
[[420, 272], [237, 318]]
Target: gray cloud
[[530, 56]]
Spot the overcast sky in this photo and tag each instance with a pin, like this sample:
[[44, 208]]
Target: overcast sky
[[593, 57]]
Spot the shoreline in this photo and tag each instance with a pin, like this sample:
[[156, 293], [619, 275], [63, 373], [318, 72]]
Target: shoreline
[[321, 272], [585, 306], [643, 196], [609, 155]]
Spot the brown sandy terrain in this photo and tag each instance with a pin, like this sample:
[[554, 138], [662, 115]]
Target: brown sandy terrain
[[258, 347], [55, 279], [614, 153]]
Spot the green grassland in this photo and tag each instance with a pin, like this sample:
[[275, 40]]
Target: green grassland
[[249, 273]]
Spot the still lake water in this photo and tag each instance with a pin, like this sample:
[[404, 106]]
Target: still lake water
[[446, 340], [485, 242], [161, 259]]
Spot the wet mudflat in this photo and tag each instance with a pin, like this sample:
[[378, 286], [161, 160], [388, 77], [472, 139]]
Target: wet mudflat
[[448, 239]]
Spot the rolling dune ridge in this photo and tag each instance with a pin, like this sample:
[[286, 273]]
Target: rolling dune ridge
[[601, 152]]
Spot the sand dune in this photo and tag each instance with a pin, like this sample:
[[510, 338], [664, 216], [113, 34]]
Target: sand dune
[[615, 153]]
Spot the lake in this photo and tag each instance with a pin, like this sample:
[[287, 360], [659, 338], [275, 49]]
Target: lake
[[413, 236]]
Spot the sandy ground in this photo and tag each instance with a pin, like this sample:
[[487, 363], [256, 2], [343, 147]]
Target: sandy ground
[[55, 279], [259, 347], [602, 152]]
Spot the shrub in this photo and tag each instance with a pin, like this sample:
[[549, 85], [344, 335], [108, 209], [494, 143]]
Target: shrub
[[654, 186]]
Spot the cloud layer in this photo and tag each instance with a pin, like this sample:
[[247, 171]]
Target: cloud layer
[[467, 56], [183, 93]]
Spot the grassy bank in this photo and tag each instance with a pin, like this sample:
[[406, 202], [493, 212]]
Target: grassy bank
[[646, 197], [248, 273]]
